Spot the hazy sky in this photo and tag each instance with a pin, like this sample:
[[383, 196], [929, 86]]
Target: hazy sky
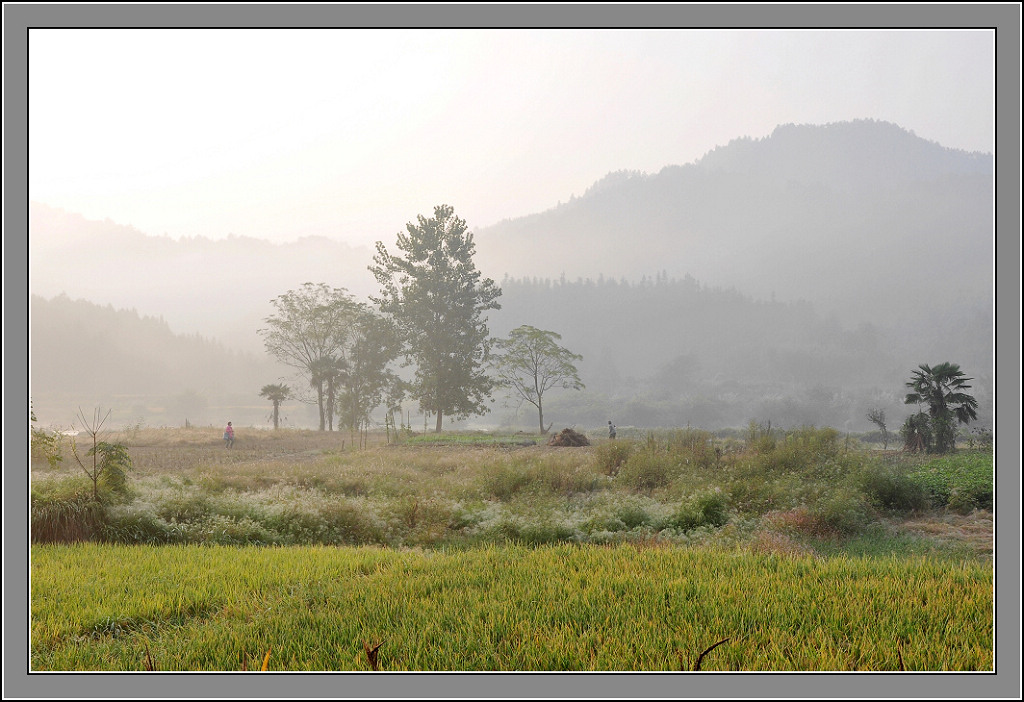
[[350, 134]]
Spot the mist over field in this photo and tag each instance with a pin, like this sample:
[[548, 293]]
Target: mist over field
[[798, 278]]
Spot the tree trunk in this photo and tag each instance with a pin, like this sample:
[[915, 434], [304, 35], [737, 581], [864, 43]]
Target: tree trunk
[[540, 411], [277, 405], [437, 429], [330, 406], [320, 404]]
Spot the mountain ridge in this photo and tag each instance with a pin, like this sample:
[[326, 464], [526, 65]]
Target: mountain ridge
[[768, 216]]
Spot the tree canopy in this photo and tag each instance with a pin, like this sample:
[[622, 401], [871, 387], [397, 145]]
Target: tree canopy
[[530, 362], [436, 299], [311, 330], [942, 389]]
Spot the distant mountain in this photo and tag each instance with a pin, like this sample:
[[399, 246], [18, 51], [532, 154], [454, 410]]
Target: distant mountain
[[83, 355], [862, 218], [219, 288]]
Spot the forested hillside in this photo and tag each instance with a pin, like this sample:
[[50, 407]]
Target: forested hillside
[[82, 354], [218, 288], [665, 352], [857, 218]]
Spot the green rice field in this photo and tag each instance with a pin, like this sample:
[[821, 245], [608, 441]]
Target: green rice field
[[552, 608]]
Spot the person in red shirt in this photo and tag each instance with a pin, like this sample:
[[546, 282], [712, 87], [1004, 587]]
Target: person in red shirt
[[229, 436]]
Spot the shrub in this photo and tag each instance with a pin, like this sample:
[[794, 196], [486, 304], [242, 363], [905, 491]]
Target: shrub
[[537, 534], [425, 521], [696, 445], [632, 515], [890, 488], [821, 443], [760, 438], [704, 510], [348, 522], [844, 511], [611, 456], [46, 446], [184, 508], [758, 496], [503, 481], [224, 530], [962, 501], [603, 524], [646, 470], [564, 479], [137, 526], [461, 517], [334, 522], [979, 437], [66, 518]]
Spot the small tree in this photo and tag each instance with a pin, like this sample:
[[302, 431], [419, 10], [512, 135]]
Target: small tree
[[45, 444], [942, 389], [106, 463], [277, 394], [916, 433], [877, 417], [530, 362]]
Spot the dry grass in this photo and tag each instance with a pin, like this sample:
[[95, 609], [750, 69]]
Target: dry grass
[[770, 542], [974, 531]]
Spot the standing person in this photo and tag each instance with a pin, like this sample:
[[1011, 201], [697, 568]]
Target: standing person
[[611, 430], [229, 436]]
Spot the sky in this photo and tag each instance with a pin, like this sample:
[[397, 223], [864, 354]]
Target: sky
[[350, 134]]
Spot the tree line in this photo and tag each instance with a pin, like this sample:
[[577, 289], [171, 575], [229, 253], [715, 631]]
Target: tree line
[[430, 314]]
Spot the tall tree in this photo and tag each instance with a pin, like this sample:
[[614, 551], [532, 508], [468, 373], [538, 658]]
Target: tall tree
[[310, 330], [942, 389], [276, 393], [436, 298], [530, 362]]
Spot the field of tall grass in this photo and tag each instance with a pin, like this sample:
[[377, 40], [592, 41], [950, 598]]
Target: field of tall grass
[[804, 490], [487, 553]]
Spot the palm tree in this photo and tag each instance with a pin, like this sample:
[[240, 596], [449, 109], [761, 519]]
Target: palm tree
[[276, 394], [942, 389]]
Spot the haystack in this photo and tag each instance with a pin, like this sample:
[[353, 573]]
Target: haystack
[[568, 437]]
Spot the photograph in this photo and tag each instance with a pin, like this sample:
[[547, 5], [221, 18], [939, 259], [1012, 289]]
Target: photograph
[[512, 351]]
